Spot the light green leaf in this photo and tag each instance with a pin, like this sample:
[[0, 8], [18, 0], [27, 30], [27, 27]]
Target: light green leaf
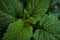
[[37, 6], [18, 31], [26, 33], [49, 30], [26, 14], [12, 7]]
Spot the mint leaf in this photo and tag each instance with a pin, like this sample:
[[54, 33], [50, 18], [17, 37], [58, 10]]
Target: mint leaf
[[43, 35], [52, 24], [18, 31], [26, 14], [12, 7], [49, 30], [26, 33], [37, 6], [5, 19], [36, 9]]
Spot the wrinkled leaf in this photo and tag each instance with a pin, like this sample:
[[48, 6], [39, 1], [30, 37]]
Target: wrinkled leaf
[[5, 19], [49, 30], [58, 1], [52, 23], [26, 33], [12, 7], [37, 6], [17, 31]]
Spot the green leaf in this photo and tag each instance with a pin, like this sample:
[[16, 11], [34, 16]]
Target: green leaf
[[58, 1], [37, 6], [52, 23], [18, 31], [26, 33], [36, 18], [43, 35], [49, 30], [5, 19], [12, 7], [26, 15]]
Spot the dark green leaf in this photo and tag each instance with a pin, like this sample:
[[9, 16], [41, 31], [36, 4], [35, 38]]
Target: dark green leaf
[[5, 19], [49, 30], [37, 6], [13, 7]]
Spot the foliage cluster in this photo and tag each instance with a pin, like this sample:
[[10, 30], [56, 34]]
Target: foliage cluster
[[29, 19]]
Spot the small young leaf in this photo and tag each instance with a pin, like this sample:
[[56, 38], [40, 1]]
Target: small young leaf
[[26, 14], [36, 18]]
